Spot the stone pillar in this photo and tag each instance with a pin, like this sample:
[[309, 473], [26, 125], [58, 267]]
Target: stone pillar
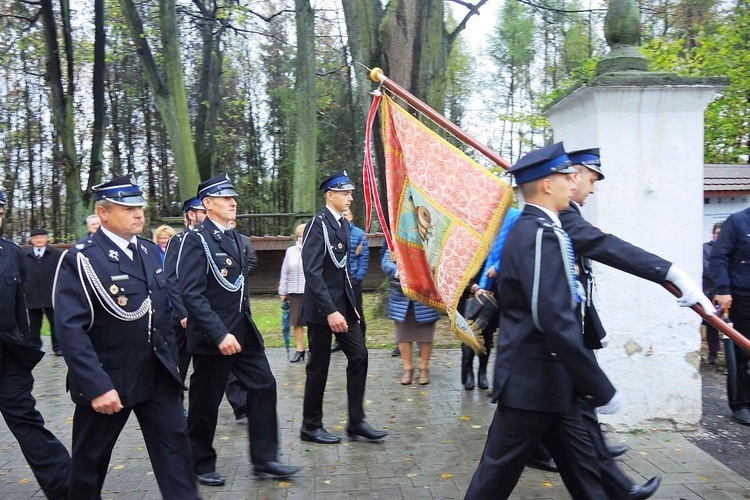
[[649, 128]]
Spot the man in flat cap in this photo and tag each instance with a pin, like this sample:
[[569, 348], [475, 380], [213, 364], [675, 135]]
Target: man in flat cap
[[114, 329], [39, 266], [541, 361], [222, 337], [46, 455], [329, 308]]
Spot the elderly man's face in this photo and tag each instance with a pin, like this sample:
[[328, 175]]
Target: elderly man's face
[[39, 240], [93, 224]]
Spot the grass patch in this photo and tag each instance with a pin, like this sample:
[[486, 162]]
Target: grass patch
[[266, 311]]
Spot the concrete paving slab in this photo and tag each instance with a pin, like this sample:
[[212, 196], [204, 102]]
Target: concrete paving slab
[[437, 431]]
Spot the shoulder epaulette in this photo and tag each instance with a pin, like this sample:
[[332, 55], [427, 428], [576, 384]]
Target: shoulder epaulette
[[544, 223], [82, 244], [8, 240]]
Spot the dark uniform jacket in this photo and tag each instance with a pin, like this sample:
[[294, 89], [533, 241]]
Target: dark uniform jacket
[[541, 368], [589, 243], [38, 277], [171, 256], [102, 351], [730, 258], [213, 310], [327, 287], [14, 324]]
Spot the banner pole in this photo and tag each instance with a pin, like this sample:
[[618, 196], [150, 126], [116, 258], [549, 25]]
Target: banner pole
[[714, 320], [377, 75]]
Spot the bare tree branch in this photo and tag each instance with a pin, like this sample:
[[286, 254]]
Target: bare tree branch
[[473, 9]]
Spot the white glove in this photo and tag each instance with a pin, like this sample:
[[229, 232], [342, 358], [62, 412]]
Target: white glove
[[604, 341], [613, 406], [691, 292]]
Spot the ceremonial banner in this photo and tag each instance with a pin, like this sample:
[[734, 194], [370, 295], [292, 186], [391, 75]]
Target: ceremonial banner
[[445, 212]]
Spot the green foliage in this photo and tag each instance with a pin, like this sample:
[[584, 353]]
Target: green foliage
[[716, 51]]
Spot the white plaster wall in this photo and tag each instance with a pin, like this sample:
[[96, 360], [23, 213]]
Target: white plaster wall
[[651, 141]]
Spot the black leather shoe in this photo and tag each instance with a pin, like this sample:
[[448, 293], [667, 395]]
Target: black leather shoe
[[336, 347], [396, 352], [742, 416], [58, 352], [617, 451], [211, 479], [300, 356], [365, 430], [274, 470], [482, 382], [319, 435], [469, 382], [646, 490], [547, 465]]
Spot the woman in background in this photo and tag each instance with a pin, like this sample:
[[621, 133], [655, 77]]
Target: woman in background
[[414, 322], [162, 234], [291, 288]]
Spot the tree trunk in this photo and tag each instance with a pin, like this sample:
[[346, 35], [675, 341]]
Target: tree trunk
[[305, 171], [62, 110], [100, 116], [363, 18], [169, 91]]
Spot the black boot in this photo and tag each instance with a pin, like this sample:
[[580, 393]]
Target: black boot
[[482, 372], [467, 368]]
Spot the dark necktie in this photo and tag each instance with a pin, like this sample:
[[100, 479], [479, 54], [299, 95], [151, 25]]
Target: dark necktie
[[345, 227], [136, 257], [230, 234]]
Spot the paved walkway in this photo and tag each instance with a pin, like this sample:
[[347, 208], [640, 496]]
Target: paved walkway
[[437, 435]]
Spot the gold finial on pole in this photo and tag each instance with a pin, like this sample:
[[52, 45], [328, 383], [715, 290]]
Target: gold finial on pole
[[376, 74]]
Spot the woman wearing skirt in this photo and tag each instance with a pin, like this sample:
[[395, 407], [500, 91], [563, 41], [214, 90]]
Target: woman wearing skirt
[[414, 322]]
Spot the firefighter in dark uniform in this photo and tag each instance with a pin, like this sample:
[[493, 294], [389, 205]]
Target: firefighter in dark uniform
[[46, 455], [541, 361], [329, 308], [222, 337], [194, 214], [114, 329]]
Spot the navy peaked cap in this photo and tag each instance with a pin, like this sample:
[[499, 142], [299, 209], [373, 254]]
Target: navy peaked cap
[[541, 163], [588, 158], [219, 185], [193, 203], [121, 190], [339, 181]]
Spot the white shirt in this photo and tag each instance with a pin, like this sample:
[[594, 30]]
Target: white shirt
[[39, 252], [221, 228], [121, 242], [336, 215]]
